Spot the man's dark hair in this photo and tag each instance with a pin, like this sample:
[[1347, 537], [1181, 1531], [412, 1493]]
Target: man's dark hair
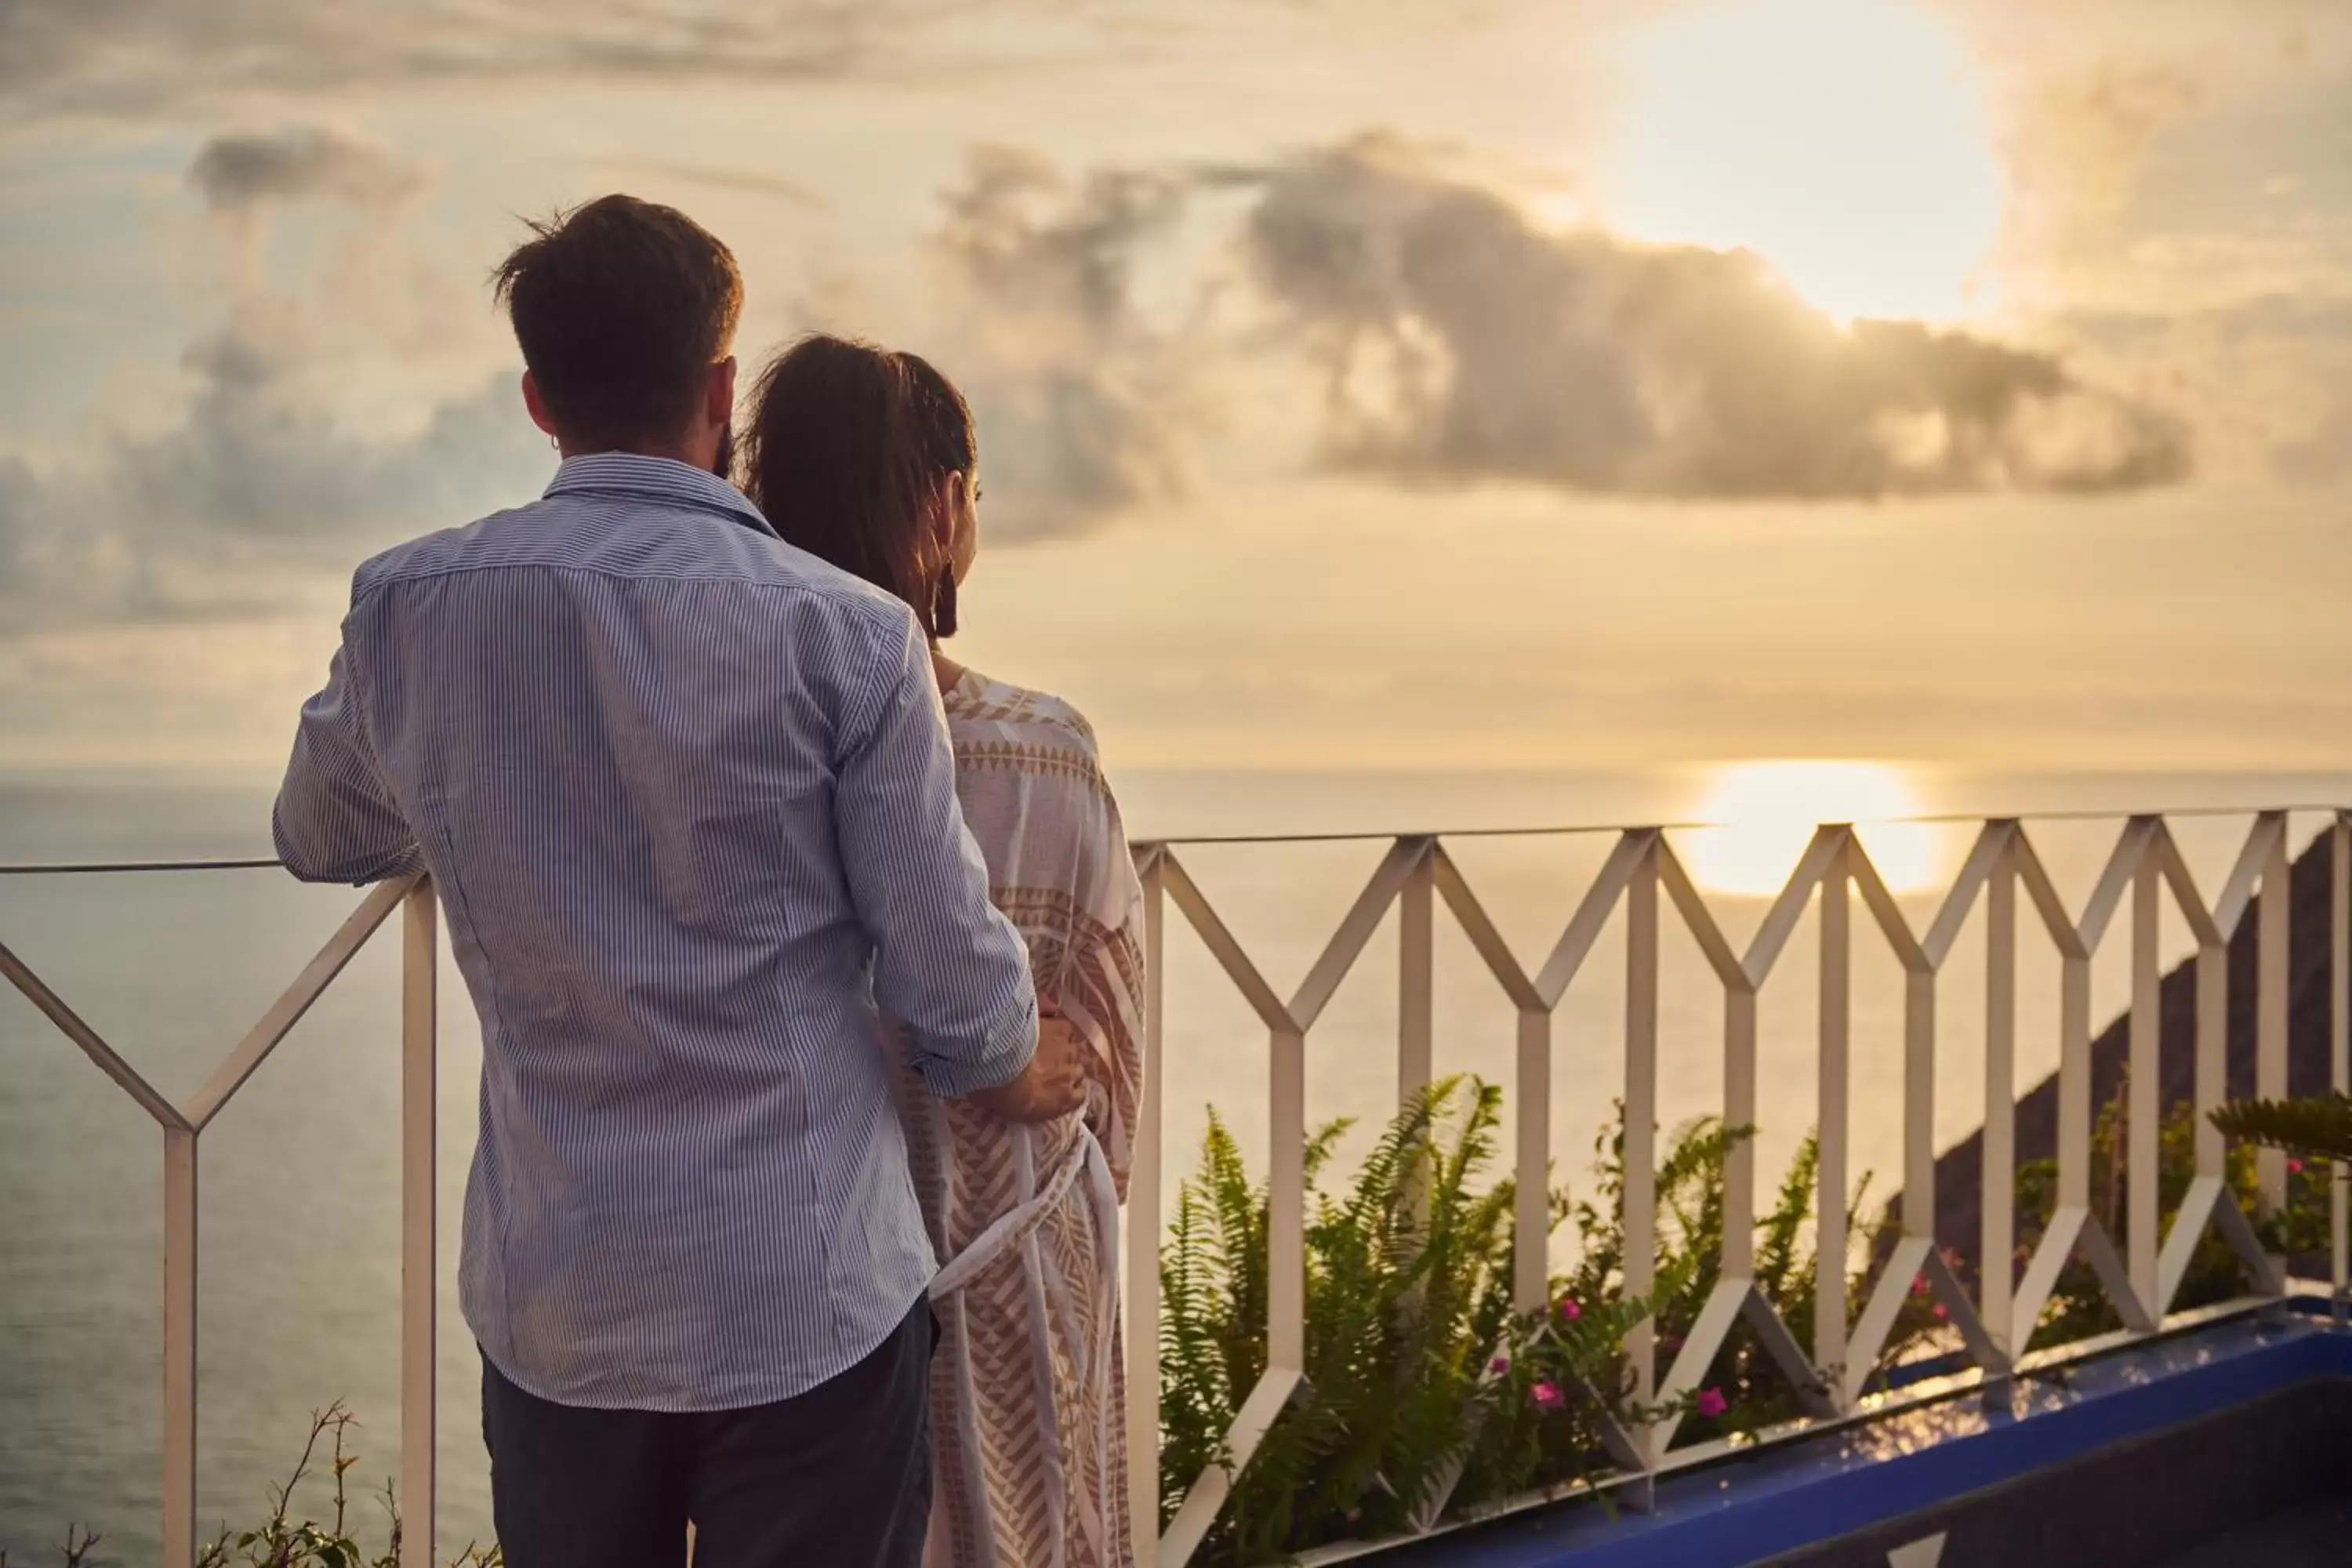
[[621, 307]]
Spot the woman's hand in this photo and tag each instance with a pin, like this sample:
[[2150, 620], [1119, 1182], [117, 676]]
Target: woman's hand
[[1053, 1085]]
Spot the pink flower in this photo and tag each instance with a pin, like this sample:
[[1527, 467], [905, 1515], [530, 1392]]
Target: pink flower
[[1919, 1284], [1940, 1313], [1711, 1402], [1568, 1311], [1546, 1396], [1499, 1365], [2294, 1166]]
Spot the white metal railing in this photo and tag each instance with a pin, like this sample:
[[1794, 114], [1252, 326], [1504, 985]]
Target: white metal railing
[[183, 1126], [1641, 872], [2143, 866]]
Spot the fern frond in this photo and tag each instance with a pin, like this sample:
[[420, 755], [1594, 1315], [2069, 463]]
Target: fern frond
[[2317, 1126]]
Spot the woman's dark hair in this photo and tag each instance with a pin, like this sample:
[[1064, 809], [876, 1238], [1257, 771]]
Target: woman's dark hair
[[845, 446], [621, 307]]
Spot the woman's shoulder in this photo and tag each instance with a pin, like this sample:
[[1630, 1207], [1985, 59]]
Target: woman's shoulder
[[981, 702], [1000, 728]]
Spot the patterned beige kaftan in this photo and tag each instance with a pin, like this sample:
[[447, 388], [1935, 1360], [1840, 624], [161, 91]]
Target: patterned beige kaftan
[[1028, 1420]]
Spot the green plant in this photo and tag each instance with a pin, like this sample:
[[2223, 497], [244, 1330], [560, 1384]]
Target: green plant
[[1752, 1390], [75, 1553], [281, 1542], [2314, 1126], [1407, 1301], [1424, 1389], [2078, 1307], [1560, 1370]]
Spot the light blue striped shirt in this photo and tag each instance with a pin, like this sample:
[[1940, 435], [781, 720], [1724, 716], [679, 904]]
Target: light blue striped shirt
[[687, 796]]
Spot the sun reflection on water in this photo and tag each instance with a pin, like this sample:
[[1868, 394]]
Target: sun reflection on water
[[1762, 814]]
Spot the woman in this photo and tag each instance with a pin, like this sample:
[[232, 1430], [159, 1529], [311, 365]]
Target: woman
[[867, 459]]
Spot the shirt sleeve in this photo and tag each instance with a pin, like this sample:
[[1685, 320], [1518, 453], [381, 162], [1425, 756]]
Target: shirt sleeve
[[947, 965], [335, 820]]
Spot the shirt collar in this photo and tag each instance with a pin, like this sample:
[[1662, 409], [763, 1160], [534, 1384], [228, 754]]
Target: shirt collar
[[659, 479]]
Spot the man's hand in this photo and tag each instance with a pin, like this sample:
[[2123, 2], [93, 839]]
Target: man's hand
[[1054, 1084]]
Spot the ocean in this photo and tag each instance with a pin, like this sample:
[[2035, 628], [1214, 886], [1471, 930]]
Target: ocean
[[300, 1196]]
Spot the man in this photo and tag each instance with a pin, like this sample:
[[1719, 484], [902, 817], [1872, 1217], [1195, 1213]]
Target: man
[[686, 797]]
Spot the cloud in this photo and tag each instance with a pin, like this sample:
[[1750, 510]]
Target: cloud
[[237, 171], [748, 182], [1461, 342], [134, 57], [2262, 376], [2081, 139], [1080, 400], [255, 462], [59, 561], [1027, 236], [18, 493], [2321, 456], [2272, 314], [1455, 342], [251, 501], [260, 465], [268, 484]]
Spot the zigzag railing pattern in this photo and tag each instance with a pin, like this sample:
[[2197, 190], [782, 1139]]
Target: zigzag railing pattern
[[1642, 872], [2145, 867], [182, 1127]]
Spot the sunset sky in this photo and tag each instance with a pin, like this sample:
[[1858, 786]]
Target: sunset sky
[[1366, 383]]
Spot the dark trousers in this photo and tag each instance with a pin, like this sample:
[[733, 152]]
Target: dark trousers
[[840, 1475]]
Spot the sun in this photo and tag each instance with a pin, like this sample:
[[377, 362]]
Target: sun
[[1843, 140], [1762, 814]]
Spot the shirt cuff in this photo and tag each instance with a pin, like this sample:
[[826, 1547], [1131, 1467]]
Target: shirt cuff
[[996, 1061]]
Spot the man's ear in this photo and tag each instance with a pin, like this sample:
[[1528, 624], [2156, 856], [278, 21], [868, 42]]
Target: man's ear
[[537, 405], [718, 393]]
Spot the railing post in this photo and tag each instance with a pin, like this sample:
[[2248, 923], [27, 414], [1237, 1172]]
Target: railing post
[[2142, 1101], [1285, 1224], [1143, 1242], [1417, 1000], [1740, 1111], [1416, 958], [2269, 1015], [1531, 1238], [1919, 1105], [179, 1347], [1641, 1157], [1996, 1267], [2074, 1081], [1831, 1248], [419, 1257], [2339, 1047], [2212, 1046]]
